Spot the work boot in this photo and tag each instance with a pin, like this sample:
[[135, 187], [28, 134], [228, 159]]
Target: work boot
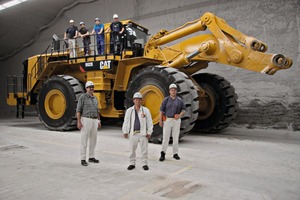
[[145, 167], [130, 167], [162, 156], [94, 160], [84, 163], [176, 157]]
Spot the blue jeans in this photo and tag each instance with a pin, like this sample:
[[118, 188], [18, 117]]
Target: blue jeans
[[100, 44]]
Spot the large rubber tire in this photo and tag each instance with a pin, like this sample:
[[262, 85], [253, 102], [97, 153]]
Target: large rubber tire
[[153, 83], [57, 101], [220, 106]]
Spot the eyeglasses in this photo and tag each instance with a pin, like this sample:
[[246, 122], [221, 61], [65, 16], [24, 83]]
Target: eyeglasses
[[91, 87]]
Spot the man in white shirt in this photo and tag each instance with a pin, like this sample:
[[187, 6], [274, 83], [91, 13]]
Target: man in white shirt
[[138, 127]]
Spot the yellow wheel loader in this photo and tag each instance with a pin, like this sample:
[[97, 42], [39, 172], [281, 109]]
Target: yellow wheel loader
[[54, 81]]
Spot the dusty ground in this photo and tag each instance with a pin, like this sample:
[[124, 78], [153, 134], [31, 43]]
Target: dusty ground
[[237, 164]]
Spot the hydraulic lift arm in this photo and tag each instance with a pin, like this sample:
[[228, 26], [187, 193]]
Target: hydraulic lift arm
[[224, 45]]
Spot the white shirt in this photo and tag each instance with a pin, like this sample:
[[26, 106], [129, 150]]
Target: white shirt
[[145, 121]]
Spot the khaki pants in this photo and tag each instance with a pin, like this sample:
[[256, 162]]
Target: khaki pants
[[88, 133], [171, 125], [72, 47], [133, 143]]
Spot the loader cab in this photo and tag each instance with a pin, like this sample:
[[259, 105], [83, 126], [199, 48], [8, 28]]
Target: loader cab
[[134, 38]]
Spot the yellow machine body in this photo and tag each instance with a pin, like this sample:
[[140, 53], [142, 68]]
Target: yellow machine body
[[114, 74]]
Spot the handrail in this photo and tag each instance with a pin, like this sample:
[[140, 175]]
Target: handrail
[[39, 64], [8, 85], [93, 51], [35, 65], [14, 85]]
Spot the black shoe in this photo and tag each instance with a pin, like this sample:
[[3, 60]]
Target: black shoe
[[176, 157], [94, 160], [162, 156], [84, 163], [145, 167], [130, 167]]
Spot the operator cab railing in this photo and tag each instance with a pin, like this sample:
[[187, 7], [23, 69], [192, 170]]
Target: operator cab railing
[[60, 52], [125, 43]]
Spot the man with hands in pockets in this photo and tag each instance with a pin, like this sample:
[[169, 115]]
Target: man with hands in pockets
[[138, 127]]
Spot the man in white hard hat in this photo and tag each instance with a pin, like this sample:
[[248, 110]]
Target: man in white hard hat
[[70, 35], [172, 108], [88, 120], [116, 30], [138, 127]]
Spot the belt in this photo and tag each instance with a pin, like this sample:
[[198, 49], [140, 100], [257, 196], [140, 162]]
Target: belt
[[136, 131], [90, 117], [170, 117]]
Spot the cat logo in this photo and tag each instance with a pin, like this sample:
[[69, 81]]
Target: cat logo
[[105, 64]]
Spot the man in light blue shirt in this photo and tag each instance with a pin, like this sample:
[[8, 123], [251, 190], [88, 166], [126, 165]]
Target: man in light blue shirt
[[99, 32]]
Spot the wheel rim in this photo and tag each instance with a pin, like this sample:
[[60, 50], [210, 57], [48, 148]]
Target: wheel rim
[[206, 104], [152, 98], [55, 104]]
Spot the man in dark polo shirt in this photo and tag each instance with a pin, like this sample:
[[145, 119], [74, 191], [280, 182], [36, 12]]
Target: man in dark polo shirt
[[71, 35], [88, 120], [86, 40], [173, 108], [116, 29]]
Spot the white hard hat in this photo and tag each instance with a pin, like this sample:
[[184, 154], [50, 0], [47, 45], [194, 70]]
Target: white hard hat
[[172, 86], [115, 16], [89, 83], [81, 23], [137, 95], [97, 19], [71, 21]]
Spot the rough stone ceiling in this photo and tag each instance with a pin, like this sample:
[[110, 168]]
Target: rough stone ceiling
[[20, 24]]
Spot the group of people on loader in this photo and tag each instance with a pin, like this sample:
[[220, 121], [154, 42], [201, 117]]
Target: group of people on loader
[[116, 29], [137, 125]]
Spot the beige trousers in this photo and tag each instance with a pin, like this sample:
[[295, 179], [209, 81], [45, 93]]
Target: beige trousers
[[72, 47], [134, 140], [88, 134], [171, 125]]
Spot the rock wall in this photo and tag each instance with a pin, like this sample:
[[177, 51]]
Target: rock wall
[[265, 101], [272, 105]]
